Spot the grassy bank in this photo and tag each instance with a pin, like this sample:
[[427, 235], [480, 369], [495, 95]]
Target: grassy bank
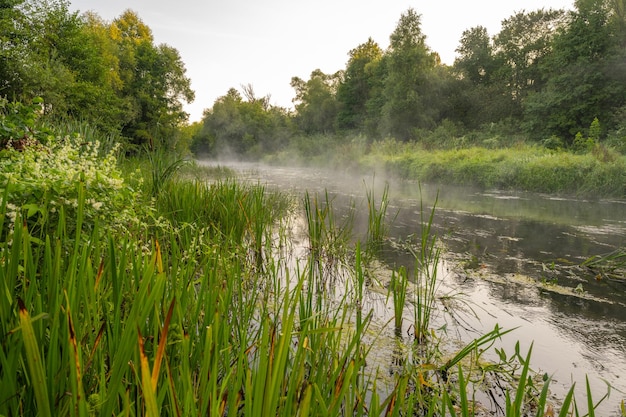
[[141, 291], [599, 171], [525, 168]]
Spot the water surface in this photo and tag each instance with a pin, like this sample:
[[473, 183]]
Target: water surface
[[514, 256]]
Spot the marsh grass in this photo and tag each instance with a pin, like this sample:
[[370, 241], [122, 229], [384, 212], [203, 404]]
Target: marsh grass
[[523, 168], [610, 266], [427, 267], [163, 167], [329, 237], [378, 224], [172, 315]]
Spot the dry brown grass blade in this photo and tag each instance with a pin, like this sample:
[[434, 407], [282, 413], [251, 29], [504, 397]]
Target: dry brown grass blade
[[95, 346]]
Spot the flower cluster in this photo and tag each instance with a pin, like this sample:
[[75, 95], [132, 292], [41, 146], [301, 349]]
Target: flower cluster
[[67, 176]]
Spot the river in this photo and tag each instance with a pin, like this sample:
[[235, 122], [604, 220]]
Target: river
[[515, 257]]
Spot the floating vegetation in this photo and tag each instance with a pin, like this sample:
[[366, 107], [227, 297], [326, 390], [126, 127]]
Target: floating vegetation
[[611, 266]]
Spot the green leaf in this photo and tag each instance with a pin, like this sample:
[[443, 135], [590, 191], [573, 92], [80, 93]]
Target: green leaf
[[35, 364]]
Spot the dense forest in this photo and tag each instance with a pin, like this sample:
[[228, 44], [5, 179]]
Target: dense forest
[[552, 77], [556, 77], [108, 74]]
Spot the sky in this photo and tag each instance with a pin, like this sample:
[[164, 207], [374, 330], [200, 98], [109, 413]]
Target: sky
[[229, 43]]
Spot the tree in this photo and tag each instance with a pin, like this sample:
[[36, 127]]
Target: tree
[[153, 80], [316, 102], [407, 92], [475, 61], [12, 37], [521, 45], [580, 85], [353, 91], [235, 127]]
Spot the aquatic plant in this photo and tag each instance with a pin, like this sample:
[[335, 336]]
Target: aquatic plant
[[427, 266], [377, 225], [163, 166], [328, 237], [611, 265], [398, 288]]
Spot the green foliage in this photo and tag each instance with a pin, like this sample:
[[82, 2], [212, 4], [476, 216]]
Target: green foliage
[[476, 61], [578, 72], [316, 102], [89, 70], [355, 89], [235, 127], [522, 168], [61, 182], [20, 125], [582, 144], [408, 87]]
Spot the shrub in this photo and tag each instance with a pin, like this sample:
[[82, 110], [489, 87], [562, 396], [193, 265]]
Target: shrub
[[19, 124], [58, 181]]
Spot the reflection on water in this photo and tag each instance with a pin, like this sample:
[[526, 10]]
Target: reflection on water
[[515, 257]]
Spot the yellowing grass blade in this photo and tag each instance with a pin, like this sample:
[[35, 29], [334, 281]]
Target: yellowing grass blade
[[35, 365], [159, 259], [79, 395], [149, 394]]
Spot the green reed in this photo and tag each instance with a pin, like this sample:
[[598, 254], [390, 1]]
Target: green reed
[[377, 226], [398, 287], [427, 265], [163, 167], [328, 235], [180, 325]]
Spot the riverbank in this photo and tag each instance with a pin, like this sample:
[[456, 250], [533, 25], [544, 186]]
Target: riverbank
[[598, 173]]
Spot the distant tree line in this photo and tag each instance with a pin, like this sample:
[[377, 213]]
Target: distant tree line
[[549, 74], [109, 74], [558, 77]]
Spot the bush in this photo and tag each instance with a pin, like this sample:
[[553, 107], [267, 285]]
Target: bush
[[65, 180]]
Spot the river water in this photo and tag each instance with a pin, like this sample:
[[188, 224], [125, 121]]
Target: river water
[[514, 257]]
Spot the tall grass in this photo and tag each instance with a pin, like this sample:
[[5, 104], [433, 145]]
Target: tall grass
[[427, 275], [524, 168], [328, 236], [186, 311], [377, 225]]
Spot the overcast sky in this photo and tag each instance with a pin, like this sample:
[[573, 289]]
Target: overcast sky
[[227, 43]]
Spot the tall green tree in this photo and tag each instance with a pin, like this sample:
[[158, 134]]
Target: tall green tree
[[354, 90], [153, 79], [475, 61], [477, 95], [316, 101], [580, 82], [12, 39], [407, 89], [45, 33], [523, 42]]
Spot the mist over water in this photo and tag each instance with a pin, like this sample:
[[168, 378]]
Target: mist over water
[[514, 256]]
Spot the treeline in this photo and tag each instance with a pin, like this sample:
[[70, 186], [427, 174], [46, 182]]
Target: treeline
[[110, 75], [556, 77]]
